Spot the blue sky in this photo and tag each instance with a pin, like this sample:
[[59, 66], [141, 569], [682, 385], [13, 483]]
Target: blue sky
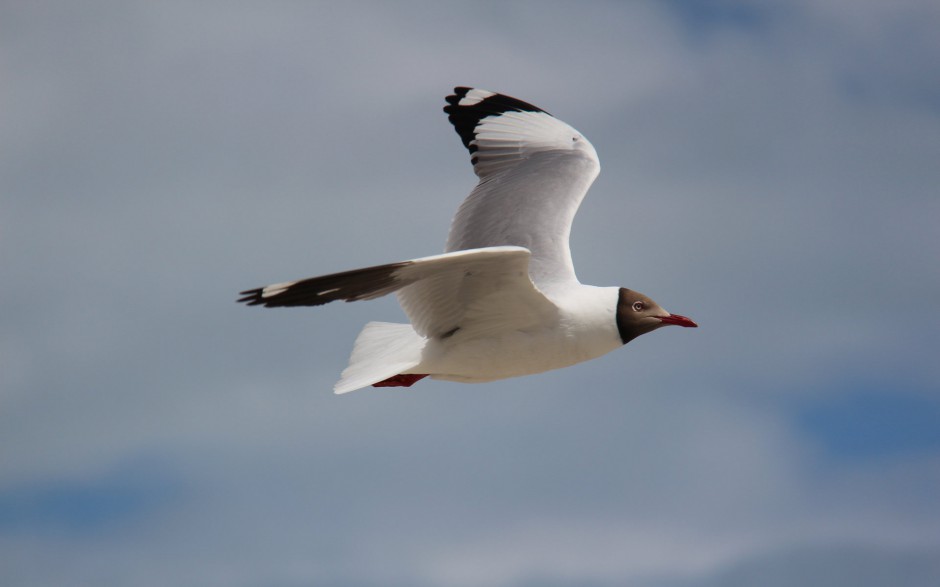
[[768, 169]]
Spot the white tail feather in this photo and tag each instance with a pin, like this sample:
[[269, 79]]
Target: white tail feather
[[382, 350]]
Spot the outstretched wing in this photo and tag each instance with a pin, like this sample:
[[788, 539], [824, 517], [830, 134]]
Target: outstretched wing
[[534, 171], [472, 292]]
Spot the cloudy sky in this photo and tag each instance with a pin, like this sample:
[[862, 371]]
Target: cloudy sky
[[769, 169]]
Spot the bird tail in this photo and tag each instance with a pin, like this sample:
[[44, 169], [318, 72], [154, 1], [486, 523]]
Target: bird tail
[[382, 351]]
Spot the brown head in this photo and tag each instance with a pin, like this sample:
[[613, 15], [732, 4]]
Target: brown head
[[637, 314]]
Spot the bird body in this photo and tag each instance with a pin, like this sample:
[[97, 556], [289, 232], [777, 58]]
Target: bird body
[[582, 328], [503, 300]]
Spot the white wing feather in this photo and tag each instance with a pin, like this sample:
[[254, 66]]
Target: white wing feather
[[474, 292], [534, 171]]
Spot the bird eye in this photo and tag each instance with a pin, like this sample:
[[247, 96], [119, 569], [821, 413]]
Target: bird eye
[[638, 306]]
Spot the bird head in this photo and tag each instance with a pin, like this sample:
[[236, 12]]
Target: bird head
[[637, 314]]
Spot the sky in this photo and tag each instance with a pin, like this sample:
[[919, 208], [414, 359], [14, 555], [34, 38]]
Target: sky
[[769, 169]]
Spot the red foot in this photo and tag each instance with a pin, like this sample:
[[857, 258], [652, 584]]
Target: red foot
[[401, 380]]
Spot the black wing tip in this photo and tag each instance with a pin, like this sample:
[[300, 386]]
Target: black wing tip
[[453, 99], [348, 286], [251, 297], [465, 117], [494, 103]]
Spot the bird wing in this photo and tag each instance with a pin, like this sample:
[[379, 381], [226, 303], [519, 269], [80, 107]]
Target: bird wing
[[474, 292], [534, 171]]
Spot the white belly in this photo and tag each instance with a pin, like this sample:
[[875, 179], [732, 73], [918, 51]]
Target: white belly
[[583, 333]]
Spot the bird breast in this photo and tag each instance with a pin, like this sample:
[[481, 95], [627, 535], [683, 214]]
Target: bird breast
[[585, 329]]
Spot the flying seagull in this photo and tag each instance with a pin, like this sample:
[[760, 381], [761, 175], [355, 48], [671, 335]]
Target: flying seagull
[[503, 299]]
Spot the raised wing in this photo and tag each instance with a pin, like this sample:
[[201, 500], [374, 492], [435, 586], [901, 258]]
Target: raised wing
[[471, 292], [534, 171]]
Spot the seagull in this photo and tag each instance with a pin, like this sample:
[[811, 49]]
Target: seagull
[[503, 299]]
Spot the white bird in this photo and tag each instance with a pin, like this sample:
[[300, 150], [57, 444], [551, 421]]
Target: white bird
[[503, 300]]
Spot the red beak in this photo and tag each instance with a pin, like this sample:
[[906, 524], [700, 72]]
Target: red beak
[[678, 320]]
